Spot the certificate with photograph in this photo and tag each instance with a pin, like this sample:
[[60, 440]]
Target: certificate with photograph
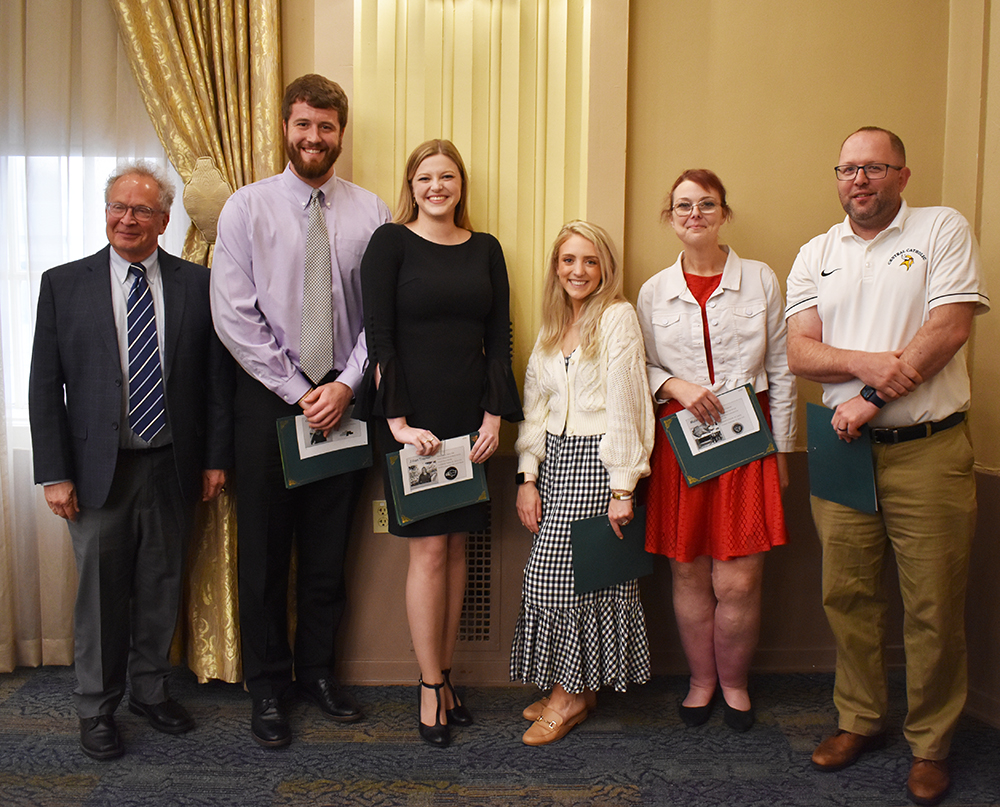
[[705, 451], [448, 465], [443, 481], [308, 455], [739, 421]]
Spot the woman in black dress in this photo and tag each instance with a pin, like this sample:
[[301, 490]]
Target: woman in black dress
[[437, 318]]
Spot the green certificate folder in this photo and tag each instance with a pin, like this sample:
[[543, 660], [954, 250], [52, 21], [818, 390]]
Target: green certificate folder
[[602, 559], [306, 458], [709, 451], [839, 471], [428, 502]]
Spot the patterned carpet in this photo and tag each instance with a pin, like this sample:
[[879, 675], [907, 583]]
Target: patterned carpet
[[633, 751]]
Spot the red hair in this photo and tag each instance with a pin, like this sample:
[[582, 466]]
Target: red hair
[[709, 180]]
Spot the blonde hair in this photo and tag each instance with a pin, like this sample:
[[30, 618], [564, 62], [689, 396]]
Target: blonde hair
[[406, 208], [557, 307]]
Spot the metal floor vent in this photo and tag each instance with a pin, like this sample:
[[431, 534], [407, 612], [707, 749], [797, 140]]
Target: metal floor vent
[[477, 622]]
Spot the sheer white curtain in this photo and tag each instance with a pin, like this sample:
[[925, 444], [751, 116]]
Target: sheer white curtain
[[71, 112]]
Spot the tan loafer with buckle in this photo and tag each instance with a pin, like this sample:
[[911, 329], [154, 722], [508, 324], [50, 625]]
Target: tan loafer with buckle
[[532, 712], [550, 726], [843, 749], [928, 782]]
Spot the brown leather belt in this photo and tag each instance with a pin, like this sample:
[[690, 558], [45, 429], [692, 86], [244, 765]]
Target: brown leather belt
[[904, 434]]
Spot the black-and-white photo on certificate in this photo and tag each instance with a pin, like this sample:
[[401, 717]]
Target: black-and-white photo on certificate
[[738, 420], [348, 434], [450, 464]]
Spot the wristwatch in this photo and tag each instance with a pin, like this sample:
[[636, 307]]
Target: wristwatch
[[870, 394], [520, 480]]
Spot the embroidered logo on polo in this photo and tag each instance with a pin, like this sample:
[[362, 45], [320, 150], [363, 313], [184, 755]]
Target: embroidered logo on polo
[[906, 257], [828, 272]]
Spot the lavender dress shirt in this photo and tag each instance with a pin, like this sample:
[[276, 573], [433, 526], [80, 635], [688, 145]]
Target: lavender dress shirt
[[257, 276]]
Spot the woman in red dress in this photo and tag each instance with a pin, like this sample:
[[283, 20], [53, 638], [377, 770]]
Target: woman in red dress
[[713, 322]]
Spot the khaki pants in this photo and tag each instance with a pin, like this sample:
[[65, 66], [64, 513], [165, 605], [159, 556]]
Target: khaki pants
[[927, 500]]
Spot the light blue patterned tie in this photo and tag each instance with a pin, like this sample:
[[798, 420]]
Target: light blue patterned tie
[[146, 414]]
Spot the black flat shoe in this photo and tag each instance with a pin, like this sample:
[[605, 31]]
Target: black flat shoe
[[169, 717], [438, 734], [459, 715], [99, 737], [693, 716], [269, 723], [736, 719]]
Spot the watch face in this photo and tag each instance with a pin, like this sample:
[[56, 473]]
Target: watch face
[[519, 479]]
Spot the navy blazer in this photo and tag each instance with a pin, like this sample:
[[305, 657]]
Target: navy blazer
[[75, 387]]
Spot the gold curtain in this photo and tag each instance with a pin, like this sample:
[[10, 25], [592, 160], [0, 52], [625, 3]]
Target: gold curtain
[[508, 82], [210, 76]]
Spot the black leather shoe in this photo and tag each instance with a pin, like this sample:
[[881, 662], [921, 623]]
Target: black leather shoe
[[169, 717], [458, 715], [269, 723], [99, 737], [334, 701]]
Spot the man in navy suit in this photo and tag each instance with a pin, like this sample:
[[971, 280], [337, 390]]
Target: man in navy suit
[[126, 472]]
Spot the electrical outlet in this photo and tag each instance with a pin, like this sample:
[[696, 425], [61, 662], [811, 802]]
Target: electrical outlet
[[380, 516]]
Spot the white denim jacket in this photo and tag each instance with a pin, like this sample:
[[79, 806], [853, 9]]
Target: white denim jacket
[[747, 329]]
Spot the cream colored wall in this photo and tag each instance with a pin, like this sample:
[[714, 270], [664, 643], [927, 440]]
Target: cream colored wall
[[972, 173], [763, 93], [975, 164]]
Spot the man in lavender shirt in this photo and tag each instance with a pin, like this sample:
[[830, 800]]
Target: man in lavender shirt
[[257, 305]]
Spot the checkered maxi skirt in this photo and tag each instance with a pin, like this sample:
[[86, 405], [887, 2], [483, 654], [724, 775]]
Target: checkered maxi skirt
[[585, 641]]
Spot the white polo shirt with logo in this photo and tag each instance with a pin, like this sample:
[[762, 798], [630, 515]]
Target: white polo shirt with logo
[[875, 295]]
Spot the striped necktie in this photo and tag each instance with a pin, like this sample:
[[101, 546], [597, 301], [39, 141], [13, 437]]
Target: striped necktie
[[146, 414], [316, 347]]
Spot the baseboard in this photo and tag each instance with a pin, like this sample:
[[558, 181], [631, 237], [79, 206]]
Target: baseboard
[[984, 706]]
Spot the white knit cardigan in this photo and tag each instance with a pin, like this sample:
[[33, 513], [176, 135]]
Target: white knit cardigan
[[607, 394]]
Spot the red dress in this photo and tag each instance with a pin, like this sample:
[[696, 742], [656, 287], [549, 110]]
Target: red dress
[[733, 515]]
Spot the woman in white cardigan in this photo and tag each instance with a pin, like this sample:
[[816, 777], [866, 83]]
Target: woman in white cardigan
[[584, 443], [713, 322]]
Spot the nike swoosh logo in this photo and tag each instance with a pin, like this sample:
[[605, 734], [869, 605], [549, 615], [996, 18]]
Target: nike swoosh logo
[[828, 272]]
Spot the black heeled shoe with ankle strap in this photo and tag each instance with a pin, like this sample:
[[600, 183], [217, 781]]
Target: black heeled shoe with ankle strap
[[438, 734], [458, 715]]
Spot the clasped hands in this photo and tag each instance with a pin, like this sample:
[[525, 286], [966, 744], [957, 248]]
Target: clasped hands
[[890, 375], [324, 405]]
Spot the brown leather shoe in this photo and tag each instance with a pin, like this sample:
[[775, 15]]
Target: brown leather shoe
[[535, 710], [532, 712], [843, 749], [550, 726], [928, 782]]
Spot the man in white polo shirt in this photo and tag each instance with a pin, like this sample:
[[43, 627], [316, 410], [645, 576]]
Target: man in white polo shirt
[[879, 310]]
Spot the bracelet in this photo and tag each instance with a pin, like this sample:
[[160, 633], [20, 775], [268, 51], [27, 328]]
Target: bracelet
[[622, 497], [871, 395]]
